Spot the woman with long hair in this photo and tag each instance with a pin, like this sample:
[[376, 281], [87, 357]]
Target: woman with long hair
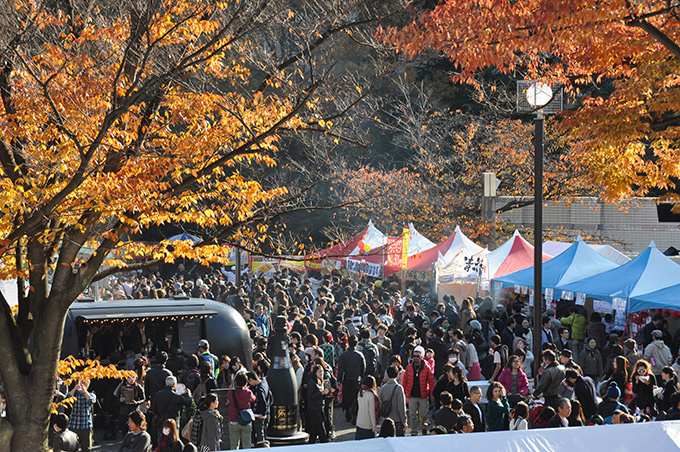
[[316, 393], [211, 422], [527, 358], [467, 313], [498, 408], [458, 385], [223, 377], [643, 382], [576, 418], [620, 374], [331, 383], [235, 368], [442, 384], [368, 409], [169, 440]]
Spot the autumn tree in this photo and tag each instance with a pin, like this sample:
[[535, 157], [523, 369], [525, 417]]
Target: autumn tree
[[627, 138], [448, 149], [122, 116]]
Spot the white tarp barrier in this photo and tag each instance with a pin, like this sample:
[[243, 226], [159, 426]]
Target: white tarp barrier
[[647, 436]]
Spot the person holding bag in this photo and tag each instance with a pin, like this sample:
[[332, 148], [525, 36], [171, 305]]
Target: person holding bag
[[240, 413]]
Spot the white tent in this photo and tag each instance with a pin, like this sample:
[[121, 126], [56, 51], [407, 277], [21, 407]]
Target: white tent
[[461, 266], [657, 436], [417, 242], [460, 243]]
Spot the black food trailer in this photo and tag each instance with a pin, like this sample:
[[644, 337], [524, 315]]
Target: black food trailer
[[190, 320]]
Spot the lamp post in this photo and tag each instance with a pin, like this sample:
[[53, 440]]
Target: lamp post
[[538, 96]]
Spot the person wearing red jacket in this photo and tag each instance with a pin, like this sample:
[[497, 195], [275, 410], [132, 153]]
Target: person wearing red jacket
[[418, 383]]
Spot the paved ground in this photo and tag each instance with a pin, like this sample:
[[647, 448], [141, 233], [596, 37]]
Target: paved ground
[[344, 431]]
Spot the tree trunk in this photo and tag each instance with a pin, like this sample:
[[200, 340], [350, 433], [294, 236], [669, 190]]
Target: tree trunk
[[29, 396]]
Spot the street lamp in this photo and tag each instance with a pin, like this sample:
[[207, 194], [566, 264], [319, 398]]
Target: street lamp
[[538, 96]]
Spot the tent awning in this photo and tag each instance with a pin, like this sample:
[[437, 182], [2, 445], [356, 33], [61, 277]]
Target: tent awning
[[648, 272], [577, 262]]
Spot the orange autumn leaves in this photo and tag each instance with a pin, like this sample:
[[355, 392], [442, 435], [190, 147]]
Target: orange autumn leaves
[[626, 137], [130, 132]]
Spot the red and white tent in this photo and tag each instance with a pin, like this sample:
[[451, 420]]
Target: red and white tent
[[515, 254]]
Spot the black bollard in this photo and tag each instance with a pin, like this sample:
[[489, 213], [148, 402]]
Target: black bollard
[[284, 424]]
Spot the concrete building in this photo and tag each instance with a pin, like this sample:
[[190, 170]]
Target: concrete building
[[628, 227]]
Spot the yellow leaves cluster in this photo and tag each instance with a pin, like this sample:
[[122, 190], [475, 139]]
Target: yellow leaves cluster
[[200, 136], [71, 370]]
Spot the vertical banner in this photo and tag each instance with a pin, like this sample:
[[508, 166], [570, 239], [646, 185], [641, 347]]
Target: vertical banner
[[395, 246], [404, 248]]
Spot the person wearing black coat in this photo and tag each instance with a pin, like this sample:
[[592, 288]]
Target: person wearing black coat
[[472, 408], [507, 334], [441, 351], [445, 416], [167, 404], [315, 402], [351, 368], [561, 419], [584, 390]]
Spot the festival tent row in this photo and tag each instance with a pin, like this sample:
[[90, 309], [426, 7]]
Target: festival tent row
[[647, 273], [513, 255], [662, 436], [575, 263], [332, 258]]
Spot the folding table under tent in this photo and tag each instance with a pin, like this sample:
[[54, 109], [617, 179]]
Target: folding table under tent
[[648, 272], [459, 266], [575, 263]]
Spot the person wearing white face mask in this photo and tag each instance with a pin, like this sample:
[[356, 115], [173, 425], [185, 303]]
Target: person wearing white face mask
[[169, 440], [454, 360]]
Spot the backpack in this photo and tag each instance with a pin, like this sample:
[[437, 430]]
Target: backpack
[[189, 377], [371, 358], [196, 428], [200, 390]]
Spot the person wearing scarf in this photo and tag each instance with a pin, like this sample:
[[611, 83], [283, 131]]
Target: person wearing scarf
[[369, 409]]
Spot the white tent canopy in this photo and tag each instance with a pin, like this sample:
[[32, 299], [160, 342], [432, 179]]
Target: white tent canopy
[[417, 242], [460, 242], [658, 436]]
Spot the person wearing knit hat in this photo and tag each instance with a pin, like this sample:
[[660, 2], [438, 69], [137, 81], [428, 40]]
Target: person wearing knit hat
[[613, 391], [610, 403]]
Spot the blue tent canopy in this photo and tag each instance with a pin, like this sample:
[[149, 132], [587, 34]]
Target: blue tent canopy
[[184, 236], [576, 262], [648, 272], [668, 298]]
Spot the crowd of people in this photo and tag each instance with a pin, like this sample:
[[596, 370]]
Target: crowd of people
[[394, 362]]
